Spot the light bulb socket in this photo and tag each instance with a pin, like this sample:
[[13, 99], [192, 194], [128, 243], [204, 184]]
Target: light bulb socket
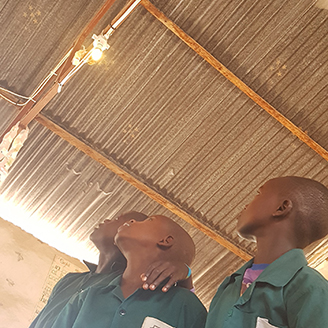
[[100, 42]]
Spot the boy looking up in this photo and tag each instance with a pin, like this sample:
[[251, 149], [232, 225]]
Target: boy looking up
[[111, 264], [123, 303], [277, 288]]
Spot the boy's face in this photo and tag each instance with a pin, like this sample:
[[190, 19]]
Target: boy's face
[[104, 234], [257, 215], [148, 232]]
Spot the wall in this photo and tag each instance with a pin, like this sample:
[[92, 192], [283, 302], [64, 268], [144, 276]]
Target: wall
[[323, 269], [29, 269]]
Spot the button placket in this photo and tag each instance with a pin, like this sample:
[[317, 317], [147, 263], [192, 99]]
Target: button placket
[[122, 312]]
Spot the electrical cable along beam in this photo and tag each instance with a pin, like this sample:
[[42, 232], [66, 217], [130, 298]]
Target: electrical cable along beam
[[86, 31], [49, 89], [65, 69]]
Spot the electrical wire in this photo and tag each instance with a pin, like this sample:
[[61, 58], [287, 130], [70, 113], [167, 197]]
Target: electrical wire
[[9, 100], [73, 71], [13, 93], [38, 89]]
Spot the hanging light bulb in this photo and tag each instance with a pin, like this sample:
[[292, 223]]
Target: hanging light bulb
[[96, 54], [99, 45]]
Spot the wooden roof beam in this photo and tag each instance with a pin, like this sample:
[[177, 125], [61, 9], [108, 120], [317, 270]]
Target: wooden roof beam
[[65, 69], [234, 79], [146, 189]]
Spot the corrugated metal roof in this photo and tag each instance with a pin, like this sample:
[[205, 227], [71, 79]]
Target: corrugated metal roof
[[168, 117], [54, 183], [278, 48]]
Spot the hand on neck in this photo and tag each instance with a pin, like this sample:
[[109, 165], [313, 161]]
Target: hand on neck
[[136, 265]]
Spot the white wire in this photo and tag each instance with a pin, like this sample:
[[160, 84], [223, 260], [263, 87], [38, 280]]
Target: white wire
[[76, 68], [13, 93], [38, 89], [9, 100]]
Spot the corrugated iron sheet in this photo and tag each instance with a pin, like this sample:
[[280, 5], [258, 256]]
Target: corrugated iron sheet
[[162, 112], [53, 182]]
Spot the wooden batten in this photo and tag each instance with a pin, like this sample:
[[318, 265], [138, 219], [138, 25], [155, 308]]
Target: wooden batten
[[234, 79], [134, 181]]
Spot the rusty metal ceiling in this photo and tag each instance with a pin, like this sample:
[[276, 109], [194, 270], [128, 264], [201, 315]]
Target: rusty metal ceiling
[[166, 117]]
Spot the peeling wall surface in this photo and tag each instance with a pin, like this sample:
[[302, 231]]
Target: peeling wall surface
[[27, 266]]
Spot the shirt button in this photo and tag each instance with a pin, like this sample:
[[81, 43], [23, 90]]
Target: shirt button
[[122, 312]]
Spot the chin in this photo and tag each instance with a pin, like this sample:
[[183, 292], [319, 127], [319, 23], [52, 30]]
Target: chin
[[246, 236], [91, 237]]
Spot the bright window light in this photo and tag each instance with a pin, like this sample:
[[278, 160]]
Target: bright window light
[[46, 232]]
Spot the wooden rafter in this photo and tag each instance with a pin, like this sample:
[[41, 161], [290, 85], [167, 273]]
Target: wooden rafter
[[234, 79], [48, 91], [46, 97], [134, 181]]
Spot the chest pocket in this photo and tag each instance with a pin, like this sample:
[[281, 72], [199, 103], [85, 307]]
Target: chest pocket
[[264, 323], [240, 319], [263, 305], [150, 322]]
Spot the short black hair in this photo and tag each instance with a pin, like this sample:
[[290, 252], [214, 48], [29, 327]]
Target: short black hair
[[183, 249], [310, 200]]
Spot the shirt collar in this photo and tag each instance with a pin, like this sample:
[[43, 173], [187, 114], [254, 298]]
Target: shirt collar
[[282, 270], [116, 266], [115, 282], [236, 275], [241, 271], [114, 286], [92, 267], [279, 272]]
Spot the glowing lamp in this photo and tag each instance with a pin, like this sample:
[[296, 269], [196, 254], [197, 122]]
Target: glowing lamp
[[96, 54], [99, 45]]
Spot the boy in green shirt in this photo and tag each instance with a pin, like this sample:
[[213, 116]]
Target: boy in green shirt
[[124, 303], [277, 288], [111, 264]]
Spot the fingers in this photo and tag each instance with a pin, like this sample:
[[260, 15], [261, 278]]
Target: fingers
[[169, 284], [161, 271], [153, 271], [163, 276], [176, 277], [156, 274]]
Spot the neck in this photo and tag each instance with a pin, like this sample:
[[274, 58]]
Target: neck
[[136, 265], [107, 259], [270, 249]]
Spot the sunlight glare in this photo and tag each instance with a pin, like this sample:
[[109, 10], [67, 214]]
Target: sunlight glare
[[46, 232]]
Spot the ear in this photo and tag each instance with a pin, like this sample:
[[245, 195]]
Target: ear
[[283, 210], [166, 242]]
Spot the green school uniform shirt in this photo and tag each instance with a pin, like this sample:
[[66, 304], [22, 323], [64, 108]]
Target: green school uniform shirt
[[107, 308], [287, 293], [69, 285]]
